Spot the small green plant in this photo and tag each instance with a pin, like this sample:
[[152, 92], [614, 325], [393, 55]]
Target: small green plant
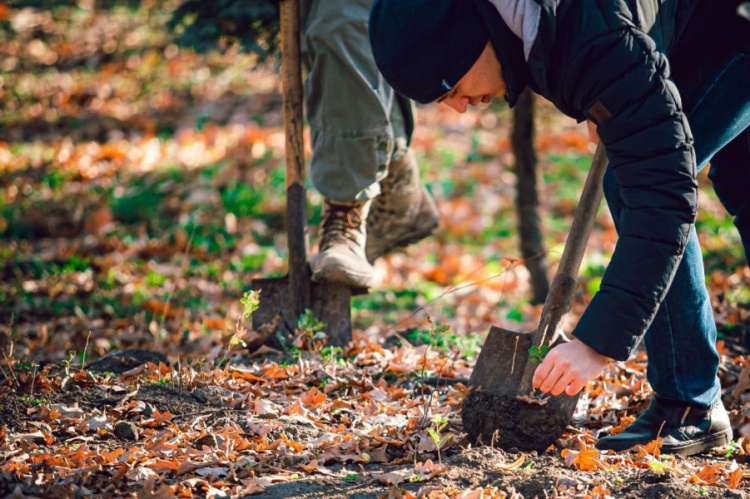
[[32, 401], [155, 279], [537, 354], [438, 422], [309, 323], [110, 282], [330, 354], [731, 449], [310, 334], [351, 476], [250, 302], [67, 363], [25, 366], [296, 352], [659, 467]]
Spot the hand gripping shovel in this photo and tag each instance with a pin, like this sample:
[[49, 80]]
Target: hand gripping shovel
[[503, 410], [291, 295]]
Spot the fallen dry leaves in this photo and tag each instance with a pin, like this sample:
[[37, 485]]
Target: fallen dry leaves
[[286, 419], [209, 429]]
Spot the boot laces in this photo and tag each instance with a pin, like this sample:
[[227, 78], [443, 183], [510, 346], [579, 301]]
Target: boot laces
[[341, 223]]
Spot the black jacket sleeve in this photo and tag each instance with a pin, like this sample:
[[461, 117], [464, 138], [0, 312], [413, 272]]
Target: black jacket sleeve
[[621, 81]]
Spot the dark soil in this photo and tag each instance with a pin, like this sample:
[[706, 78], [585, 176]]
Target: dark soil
[[15, 409], [12, 412], [539, 476], [508, 423]]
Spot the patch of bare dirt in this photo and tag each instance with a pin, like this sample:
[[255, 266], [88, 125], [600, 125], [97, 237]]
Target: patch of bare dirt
[[482, 468]]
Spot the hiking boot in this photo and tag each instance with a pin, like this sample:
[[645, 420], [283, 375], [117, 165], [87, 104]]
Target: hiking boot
[[403, 213], [685, 429], [341, 255]]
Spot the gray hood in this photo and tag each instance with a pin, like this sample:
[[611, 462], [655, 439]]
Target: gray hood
[[522, 17]]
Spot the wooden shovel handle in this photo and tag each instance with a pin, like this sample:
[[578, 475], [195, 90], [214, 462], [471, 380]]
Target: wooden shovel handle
[[293, 93], [296, 201], [564, 284]]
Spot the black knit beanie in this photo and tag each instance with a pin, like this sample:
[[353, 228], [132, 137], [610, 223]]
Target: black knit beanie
[[424, 47]]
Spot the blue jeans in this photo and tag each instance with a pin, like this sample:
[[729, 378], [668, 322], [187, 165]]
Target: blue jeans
[[683, 361]]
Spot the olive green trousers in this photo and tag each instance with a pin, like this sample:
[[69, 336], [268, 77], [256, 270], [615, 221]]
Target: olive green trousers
[[359, 124]]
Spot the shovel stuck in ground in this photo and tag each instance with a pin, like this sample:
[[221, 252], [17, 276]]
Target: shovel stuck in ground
[[286, 298], [503, 409]]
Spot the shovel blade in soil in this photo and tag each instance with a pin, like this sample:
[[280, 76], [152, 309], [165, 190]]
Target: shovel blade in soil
[[330, 303], [501, 363], [494, 415]]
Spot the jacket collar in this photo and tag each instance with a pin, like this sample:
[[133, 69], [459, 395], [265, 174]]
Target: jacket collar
[[509, 50]]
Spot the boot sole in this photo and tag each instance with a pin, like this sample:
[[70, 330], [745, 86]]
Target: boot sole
[[340, 276], [690, 448], [700, 446]]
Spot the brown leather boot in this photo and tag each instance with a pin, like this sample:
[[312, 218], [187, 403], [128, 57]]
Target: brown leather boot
[[403, 213], [341, 255]]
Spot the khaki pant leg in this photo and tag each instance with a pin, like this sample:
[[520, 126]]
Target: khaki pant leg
[[358, 122]]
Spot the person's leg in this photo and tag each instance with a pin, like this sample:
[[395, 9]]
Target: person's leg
[[361, 130], [711, 71], [682, 357], [683, 362], [681, 341], [730, 175], [356, 118]]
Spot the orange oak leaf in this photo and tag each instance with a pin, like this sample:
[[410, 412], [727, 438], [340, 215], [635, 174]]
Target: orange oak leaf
[[735, 478], [313, 397], [587, 459]]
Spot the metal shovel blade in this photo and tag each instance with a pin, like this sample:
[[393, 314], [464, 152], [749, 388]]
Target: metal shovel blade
[[493, 414], [503, 409], [288, 297], [329, 303]]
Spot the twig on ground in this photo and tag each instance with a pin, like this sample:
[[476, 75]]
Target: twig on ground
[[12, 372], [207, 412], [85, 348], [33, 380], [192, 467], [5, 375], [424, 357], [179, 375], [435, 380]]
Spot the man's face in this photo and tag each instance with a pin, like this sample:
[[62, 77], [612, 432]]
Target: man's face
[[482, 82]]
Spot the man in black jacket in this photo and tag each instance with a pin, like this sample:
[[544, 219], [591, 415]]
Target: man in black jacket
[[649, 75]]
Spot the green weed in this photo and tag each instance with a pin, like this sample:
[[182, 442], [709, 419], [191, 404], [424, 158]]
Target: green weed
[[438, 423], [32, 401], [154, 279], [537, 354]]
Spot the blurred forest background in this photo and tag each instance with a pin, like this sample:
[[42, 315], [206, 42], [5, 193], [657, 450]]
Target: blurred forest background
[[142, 185]]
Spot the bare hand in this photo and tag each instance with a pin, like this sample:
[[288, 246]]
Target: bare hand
[[568, 367]]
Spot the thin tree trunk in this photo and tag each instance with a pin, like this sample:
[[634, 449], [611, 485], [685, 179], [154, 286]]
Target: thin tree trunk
[[527, 200]]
